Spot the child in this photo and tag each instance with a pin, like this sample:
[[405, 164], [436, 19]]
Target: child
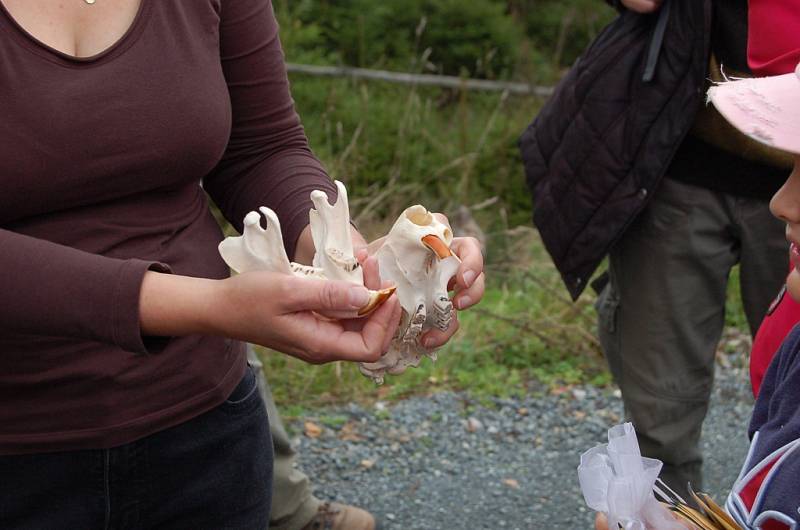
[[766, 494], [773, 50]]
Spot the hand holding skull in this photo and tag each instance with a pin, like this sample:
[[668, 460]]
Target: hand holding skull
[[419, 256]]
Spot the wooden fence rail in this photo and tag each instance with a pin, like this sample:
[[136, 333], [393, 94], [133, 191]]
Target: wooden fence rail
[[421, 79]]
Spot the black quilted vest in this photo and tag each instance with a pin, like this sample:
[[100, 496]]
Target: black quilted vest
[[601, 144]]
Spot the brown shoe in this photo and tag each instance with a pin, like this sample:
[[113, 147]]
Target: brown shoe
[[335, 516]]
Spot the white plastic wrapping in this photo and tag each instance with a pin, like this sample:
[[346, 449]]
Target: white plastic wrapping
[[616, 479]]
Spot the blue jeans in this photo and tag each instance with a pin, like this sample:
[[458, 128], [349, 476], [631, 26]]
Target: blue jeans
[[212, 472]]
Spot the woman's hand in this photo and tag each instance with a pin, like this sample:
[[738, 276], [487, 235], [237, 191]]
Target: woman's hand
[[284, 313], [468, 283], [278, 311], [642, 6]]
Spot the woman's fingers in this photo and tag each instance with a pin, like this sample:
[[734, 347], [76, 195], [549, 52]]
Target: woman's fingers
[[469, 251], [372, 275], [323, 341], [466, 298], [434, 338], [374, 337], [286, 313], [470, 281], [394, 322], [336, 299], [442, 218]]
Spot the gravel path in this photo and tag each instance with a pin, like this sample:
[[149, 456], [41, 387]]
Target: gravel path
[[447, 462]]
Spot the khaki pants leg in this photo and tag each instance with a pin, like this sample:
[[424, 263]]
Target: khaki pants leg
[[662, 313], [293, 505]]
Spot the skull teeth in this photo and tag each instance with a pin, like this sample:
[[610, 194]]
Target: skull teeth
[[376, 299], [415, 325]]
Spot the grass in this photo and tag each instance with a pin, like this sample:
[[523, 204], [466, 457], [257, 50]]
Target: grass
[[391, 144], [734, 310]]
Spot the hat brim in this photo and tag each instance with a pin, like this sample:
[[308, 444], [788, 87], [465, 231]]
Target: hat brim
[[767, 109]]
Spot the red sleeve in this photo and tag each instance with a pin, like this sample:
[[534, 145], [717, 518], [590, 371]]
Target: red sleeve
[[43, 268], [268, 161], [782, 316], [772, 44]]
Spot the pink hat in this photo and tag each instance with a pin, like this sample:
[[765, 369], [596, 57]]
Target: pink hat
[[767, 109]]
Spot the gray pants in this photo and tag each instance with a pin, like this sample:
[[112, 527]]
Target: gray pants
[[662, 313], [293, 506]]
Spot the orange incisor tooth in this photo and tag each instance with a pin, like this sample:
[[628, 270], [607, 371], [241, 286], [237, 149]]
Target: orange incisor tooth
[[437, 246], [376, 298]]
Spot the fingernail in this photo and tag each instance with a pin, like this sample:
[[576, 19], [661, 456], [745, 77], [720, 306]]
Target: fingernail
[[469, 277], [359, 297], [464, 301]]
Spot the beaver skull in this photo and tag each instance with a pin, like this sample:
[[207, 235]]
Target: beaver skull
[[415, 256]]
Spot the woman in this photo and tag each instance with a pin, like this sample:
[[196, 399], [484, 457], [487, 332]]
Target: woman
[[124, 394]]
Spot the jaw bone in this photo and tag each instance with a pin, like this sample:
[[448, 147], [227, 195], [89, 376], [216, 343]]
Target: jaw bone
[[416, 256], [330, 230], [261, 249], [257, 249]]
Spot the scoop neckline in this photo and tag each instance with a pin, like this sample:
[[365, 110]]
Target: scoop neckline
[[31, 43]]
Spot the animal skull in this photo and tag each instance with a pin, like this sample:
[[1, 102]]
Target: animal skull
[[415, 256], [262, 248]]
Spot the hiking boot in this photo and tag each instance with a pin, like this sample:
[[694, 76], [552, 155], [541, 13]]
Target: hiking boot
[[335, 516]]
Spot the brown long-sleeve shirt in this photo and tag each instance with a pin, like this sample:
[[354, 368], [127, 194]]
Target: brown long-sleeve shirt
[[101, 162]]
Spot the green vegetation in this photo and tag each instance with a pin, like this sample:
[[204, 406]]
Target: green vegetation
[[454, 152], [523, 39], [394, 144]]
